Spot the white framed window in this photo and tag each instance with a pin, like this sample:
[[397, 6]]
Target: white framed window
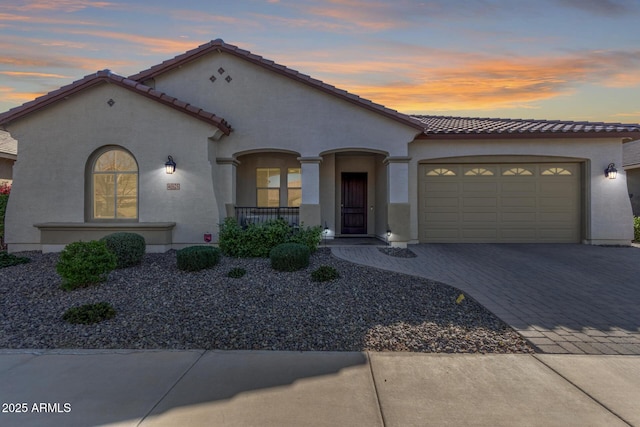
[[294, 187], [114, 186], [268, 187]]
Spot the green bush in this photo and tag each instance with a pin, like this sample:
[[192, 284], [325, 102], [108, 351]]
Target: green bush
[[89, 313], [636, 228], [196, 258], [289, 257], [324, 273], [7, 260], [236, 273], [4, 198], [84, 263], [128, 248], [310, 237], [257, 240]]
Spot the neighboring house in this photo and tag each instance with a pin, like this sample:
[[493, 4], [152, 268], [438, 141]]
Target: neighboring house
[[252, 138], [631, 163], [8, 153]]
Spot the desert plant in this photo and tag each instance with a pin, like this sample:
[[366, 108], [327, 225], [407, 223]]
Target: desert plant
[[636, 228], [89, 313], [236, 273], [324, 273], [196, 258], [289, 257], [128, 248], [84, 263], [7, 260]]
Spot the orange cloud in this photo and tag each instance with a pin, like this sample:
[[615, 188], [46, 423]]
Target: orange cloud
[[152, 44], [32, 74], [428, 79], [10, 95], [61, 5], [32, 19]]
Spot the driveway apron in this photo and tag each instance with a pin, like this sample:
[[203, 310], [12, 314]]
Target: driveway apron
[[576, 299]]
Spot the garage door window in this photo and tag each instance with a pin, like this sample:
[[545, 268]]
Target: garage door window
[[440, 172], [478, 172], [556, 171], [517, 172]]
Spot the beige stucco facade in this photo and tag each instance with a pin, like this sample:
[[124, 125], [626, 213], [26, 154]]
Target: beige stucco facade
[[277, 121]]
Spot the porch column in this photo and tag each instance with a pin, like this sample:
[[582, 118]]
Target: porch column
[[310, 206], [398, 209], [225, 185]]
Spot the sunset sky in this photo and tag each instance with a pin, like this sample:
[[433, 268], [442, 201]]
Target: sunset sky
[[543, 59]]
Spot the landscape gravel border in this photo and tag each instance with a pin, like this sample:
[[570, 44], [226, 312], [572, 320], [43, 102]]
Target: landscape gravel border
[[161, 307]]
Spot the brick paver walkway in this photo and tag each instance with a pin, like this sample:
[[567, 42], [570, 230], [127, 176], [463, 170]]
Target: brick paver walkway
[[577, 299]]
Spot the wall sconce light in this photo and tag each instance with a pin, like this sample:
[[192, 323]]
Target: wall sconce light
[[611, 172], [170, 166], [388, 235]]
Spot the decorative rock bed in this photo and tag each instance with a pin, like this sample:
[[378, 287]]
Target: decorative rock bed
[[161, 307]]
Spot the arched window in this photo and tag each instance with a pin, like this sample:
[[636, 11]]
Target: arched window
[[114, 186]]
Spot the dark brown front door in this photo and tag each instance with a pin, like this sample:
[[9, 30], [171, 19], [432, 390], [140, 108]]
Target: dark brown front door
[[354, 203]]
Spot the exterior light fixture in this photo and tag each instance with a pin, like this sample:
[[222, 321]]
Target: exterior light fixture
[[611, 172], [388, 235], [324, 233], [170, 166]]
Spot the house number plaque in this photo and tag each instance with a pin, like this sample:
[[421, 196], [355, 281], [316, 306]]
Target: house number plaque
[[173, 186]]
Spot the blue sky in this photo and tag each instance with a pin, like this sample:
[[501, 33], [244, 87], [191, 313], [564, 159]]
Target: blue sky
[[544, 59]]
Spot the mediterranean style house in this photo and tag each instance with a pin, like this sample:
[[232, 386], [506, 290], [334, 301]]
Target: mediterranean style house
[[218, 131]]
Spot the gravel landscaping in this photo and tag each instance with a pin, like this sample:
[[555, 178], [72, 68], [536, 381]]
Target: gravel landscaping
[[161, 307]]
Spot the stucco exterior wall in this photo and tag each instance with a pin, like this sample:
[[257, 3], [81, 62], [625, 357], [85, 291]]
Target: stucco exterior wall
[[607, 210], [270, 111], [57, 142]]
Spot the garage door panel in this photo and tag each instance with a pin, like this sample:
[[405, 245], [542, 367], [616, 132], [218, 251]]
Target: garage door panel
[[480, 187], [507, 217], [470, 202], [500, 203], [528, 202]]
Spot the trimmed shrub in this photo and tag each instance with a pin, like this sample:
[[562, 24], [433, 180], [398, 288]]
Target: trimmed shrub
[[7, 260], [310, 237], [196, 258], [636, 228], [83, 263], [89, 313], [289, 257], [236, 273], [4, 198], [128, 248], [324, 273], [257, 240]]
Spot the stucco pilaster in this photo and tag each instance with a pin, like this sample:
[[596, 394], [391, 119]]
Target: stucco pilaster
[[225, 185], [310, 180], [397, 179]]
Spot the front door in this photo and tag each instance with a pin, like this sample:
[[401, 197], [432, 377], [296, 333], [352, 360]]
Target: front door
[[354, 203]]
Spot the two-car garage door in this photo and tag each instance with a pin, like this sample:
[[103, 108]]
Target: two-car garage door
[[519, 202]]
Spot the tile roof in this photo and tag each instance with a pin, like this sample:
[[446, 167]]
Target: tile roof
[[464, 126], [106, 76], [219, 45], [8, 145]]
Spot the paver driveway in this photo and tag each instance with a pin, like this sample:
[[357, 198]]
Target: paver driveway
[[576, 299]]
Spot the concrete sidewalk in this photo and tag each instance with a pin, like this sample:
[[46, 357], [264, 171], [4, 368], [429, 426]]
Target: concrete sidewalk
[[245, 388]]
